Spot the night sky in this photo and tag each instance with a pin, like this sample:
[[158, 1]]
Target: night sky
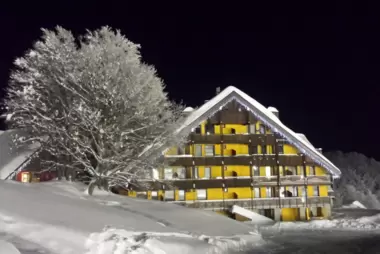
[[317, 64]]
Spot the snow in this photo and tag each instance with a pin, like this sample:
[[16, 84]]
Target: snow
[[264, 114], [256, 218], [62, 219], [272, 109], [8, 248], [12, 157], [355, 204], [188, 109]]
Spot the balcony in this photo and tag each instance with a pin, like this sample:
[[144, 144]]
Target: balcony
[[292, 180], [253, 139], [264, 181], [246, 159], [314, 180], [257, 203]]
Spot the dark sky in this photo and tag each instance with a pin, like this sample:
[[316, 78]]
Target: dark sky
[[318, 64]]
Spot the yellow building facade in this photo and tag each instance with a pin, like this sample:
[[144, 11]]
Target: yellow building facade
[[239, 153]]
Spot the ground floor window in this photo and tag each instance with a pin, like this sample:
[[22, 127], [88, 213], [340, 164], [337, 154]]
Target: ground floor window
[[201, 194]]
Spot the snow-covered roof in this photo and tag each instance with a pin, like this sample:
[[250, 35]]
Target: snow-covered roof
[[263, 114], [11, 157], [303, 137]]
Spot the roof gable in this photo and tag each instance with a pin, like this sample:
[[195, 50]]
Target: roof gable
[[263, 114]]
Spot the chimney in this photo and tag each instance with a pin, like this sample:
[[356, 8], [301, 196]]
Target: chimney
[[319, 150], [274, 111], [217, 90]]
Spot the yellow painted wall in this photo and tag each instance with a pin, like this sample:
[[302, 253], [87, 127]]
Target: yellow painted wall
[[319, 171], [323, 190], [244, 192], [214, 193], [216, 171], [289, 149], [263, 192], [172, 151], [239, 129], [289, 214], [239, 148], [310, 191], [240, 170], [191, 195]]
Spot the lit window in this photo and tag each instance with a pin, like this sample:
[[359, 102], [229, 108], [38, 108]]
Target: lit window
[[269, 192], [255, 171], [198, 150], [195, 172], [209, 150], [201, 194], [312, 171], [257, 192], [316, 191], [207, 173], [168, 173], [181, 195]]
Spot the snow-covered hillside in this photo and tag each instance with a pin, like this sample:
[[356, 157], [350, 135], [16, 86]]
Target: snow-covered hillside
[[60, 218], [360, 179]]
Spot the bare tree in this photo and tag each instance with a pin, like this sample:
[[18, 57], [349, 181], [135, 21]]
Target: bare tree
[[92, 105]]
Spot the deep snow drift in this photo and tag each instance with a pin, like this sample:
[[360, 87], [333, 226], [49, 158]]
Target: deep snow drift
[[61, 218]]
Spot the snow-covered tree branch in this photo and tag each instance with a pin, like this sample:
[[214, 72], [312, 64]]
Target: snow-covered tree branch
[[92, 105]]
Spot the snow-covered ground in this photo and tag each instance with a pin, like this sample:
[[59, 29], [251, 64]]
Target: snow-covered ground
[[60, 218]]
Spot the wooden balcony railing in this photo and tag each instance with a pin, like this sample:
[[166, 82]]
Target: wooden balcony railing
[[258, 203]]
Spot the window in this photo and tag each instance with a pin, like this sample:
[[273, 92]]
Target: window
[[209, 128], [264, 149], [195, 172], [262, 129], [169, 195], [198, 150], [181, 173], [233, 131], [252, 128], [257, 192], [181, 195], [154, 195], [168, 173], [254, 150], [280, 148], [155, 174], [295, 191], [198, 130], [303, 191], [315, 191], [268, 171], [201, 194], [255, 171], [209, 150], [312, 171], [269, 192], [207, 173]]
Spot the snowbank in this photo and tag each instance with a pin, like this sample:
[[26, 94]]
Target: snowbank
[[364, 223], [8, 248], [121, 241], [355, 204], [62, 219], [256, 219]]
